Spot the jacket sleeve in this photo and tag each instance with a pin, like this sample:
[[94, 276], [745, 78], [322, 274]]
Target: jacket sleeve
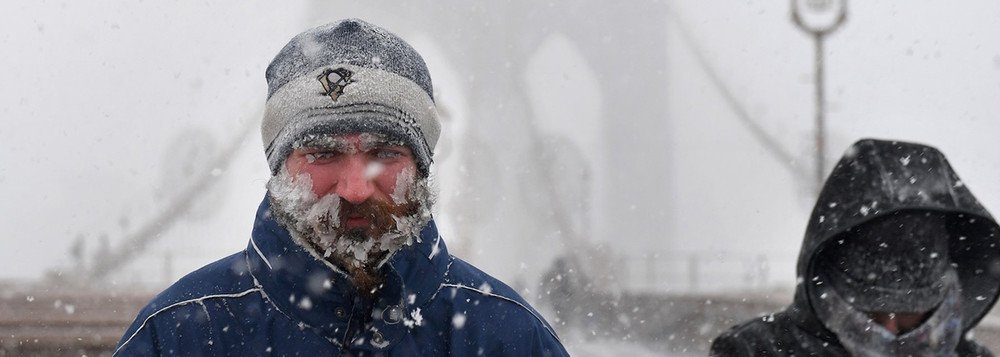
[[509, 331], [546, 344], [522, 336], [727, 345]]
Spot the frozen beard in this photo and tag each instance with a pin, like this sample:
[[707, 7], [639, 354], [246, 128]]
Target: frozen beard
[[938, 335], [315, 223]]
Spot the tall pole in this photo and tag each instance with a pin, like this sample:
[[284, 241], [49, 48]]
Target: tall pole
[[819, 18], [820, 114]]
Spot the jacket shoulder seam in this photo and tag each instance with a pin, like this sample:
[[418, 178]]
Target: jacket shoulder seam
[[518, 303], [180, 303]]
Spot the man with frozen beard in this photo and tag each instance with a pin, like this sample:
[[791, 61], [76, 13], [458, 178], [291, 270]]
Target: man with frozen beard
[[899, 259], [344, 258]]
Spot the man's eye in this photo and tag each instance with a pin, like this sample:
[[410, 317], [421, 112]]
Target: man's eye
[[320, 156]]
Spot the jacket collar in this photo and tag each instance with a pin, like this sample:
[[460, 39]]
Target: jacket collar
[[310, 292]]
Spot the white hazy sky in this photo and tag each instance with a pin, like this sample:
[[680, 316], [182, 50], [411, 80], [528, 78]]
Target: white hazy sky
[[96, 99], [926, 71]]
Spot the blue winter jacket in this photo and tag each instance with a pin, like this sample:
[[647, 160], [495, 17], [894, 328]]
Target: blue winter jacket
[[274, 298]]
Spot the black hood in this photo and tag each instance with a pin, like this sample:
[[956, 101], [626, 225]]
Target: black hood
[[876, 178]]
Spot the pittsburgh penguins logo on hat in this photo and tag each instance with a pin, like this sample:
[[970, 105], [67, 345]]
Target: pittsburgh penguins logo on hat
[[334, 81]]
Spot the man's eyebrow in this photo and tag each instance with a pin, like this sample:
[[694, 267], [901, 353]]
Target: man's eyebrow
[[322, 142]]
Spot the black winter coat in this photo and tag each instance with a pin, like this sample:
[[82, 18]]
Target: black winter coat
[[873, 179]]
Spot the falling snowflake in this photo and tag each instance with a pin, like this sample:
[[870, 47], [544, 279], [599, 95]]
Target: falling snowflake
[[458, 320], [486, 288], [416, 319], [305, 303]]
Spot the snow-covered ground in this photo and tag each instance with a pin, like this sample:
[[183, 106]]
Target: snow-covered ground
[[611, 348], [580, 343]]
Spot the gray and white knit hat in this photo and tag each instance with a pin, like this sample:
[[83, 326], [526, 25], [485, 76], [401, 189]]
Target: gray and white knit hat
[[349, 77]]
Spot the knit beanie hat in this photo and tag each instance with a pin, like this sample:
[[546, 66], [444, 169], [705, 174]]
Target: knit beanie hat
[[895, 263], [344, 78]]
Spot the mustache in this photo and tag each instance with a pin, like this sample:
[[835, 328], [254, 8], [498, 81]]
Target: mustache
[[381, 215]]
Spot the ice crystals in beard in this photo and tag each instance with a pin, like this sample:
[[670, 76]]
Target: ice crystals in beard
[[324, 215]]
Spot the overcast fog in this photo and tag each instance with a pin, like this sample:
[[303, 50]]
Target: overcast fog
[[616, 133]]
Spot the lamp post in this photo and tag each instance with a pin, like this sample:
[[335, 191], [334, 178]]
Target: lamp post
[[819, 18]]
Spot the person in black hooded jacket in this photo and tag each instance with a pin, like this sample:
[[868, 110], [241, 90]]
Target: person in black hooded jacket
[[899, 258]]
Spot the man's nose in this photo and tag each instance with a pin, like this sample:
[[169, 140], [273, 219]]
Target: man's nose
[[891, 325], [353, 184]]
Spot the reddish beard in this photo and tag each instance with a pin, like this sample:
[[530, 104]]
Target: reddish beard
[[377, 214], [380, 216]]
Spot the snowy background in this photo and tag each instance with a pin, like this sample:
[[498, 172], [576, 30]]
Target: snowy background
[[585, 129]]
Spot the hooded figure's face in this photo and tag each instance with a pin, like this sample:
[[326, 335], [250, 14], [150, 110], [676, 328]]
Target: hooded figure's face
[[352, 200], [937, 333]]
